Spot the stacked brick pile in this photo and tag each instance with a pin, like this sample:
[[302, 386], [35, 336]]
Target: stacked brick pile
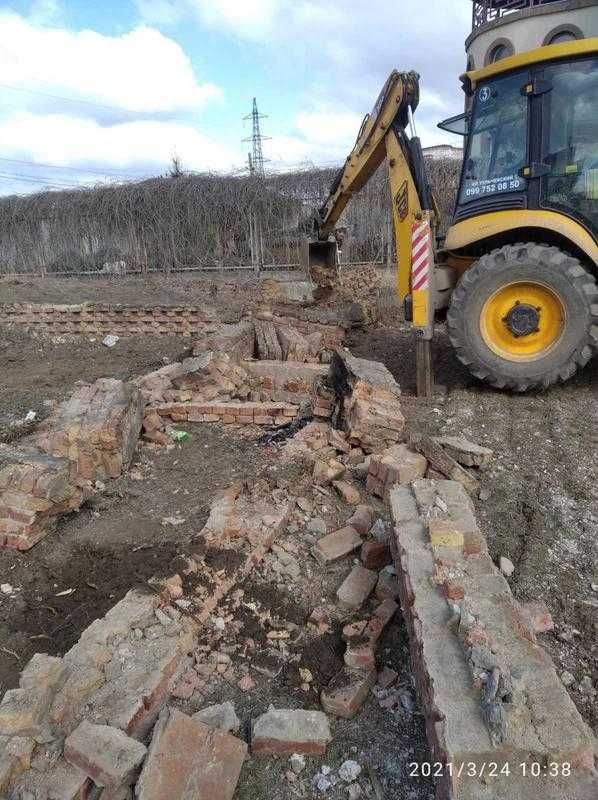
[[497, 716], [235, 339], [90, 437], [370, 397], [96, 429], [98, 319], [362, 284], [277, 341], [35, 489], [117, 676], [205, 377], [326, 322]]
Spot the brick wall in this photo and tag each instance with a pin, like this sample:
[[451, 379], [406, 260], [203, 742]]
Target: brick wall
[[100, 319]]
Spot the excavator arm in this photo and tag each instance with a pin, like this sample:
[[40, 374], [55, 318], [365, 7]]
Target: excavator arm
[[382, 137]]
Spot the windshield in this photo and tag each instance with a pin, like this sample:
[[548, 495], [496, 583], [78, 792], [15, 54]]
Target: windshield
[[498, 141], [572, 153]]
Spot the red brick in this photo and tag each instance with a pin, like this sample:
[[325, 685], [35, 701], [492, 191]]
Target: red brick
[[362, 519], [376, 555], [337, 545], [356, 588], [347, 692], [107, 755], [285, 732], [187, 758], [360, 657]]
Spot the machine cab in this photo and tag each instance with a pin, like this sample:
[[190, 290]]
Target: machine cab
[[532, 137]]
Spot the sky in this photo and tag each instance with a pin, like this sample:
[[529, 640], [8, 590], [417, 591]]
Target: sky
[[94, 92]]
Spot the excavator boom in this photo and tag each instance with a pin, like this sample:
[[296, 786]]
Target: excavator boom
[[382, 137], [398, 98]]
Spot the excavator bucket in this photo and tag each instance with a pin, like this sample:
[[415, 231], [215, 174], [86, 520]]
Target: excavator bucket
[[322, 262]]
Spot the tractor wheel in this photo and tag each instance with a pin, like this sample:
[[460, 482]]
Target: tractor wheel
[[524, 317]]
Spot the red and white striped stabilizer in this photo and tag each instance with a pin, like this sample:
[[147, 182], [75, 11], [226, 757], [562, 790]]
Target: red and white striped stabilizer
[[420, 256]]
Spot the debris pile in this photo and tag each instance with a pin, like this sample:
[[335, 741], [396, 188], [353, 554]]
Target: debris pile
[[103, 697], [35, 489]]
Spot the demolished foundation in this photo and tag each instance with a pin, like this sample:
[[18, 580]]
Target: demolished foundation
[[489, 692]]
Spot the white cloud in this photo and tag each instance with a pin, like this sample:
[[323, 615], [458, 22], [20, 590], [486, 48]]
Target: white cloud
[[133, 93], [142, 144], [141, 71], [338, 129], [342, 51], [249, 18]]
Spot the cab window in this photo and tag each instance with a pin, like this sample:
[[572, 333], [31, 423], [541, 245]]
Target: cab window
[[571, 153], [498, 142]]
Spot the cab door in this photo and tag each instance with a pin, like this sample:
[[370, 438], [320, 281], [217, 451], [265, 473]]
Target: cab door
[[569, 182]]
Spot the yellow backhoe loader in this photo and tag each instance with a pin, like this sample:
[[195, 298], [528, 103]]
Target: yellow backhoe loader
[[517, 269]]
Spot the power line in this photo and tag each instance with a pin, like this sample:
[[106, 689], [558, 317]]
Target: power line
[[70, 169], [6, 176], [69, 99]]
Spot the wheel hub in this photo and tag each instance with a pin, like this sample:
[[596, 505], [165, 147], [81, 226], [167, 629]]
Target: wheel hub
[[523, 319]]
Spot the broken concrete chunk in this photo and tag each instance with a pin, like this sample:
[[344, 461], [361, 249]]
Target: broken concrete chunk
[[223, 717], [42, 671], [356, 588], [107, 755], [506, 566], [187, 759], [290, 731], [465, 452]]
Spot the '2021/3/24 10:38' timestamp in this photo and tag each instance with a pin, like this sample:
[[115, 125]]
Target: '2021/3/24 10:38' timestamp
[[489, 769]]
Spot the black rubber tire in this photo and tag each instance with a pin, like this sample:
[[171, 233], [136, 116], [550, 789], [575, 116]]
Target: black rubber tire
[[529, 261]]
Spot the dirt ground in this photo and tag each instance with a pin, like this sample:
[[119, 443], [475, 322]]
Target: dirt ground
[[152, 289], [36, 372], [540, 506]]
